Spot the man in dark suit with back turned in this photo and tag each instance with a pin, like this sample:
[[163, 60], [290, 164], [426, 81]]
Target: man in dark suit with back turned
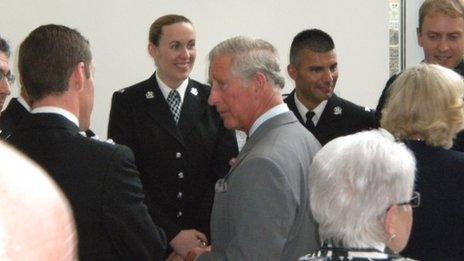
[[180, 144], [314, 68], [99, 179]]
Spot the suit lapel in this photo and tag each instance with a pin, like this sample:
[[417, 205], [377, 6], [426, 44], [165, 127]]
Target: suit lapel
[[270, 124], [158, 109], [290, 100], [192, 110], [328, 114]]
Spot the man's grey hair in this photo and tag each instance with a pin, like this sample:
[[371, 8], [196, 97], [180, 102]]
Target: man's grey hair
[[354, 180], [250, 56]]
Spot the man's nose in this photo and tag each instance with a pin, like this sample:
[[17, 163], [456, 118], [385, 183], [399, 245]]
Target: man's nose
[[443, 46], [5, 87], [328, 76]]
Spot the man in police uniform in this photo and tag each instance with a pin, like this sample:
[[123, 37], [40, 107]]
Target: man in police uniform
[[314, 68]]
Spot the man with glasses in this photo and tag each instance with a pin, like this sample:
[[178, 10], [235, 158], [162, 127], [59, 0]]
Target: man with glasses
[[6, 78]]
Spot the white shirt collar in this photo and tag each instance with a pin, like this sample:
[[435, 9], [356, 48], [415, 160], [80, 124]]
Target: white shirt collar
[[271, 113], [165, 89], [303, 110], [51, 109], [24, 103]]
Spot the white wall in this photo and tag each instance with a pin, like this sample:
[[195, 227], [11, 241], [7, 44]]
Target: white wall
[[118, 29], [414, 52]]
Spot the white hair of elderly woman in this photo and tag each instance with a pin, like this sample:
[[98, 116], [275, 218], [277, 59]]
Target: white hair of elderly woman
[[353, 181]]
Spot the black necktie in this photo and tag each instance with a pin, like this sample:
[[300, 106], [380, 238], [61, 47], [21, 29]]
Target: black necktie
[[309, 120]]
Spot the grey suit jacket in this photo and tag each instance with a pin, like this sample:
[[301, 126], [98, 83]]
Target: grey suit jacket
[[261, 208]]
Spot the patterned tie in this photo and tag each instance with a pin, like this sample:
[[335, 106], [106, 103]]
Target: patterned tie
[[309, 120], [174, 104]]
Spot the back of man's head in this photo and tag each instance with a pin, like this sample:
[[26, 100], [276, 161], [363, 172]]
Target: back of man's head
[[35, 219], [47, 58], [4, 47], [311, 39], [451, 8]]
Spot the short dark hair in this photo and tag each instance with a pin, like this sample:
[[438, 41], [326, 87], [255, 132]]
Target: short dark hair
[[156, 28], [311, 39], [5, 47], [47, 58]]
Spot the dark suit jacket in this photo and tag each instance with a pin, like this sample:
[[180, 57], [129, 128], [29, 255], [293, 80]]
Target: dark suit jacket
[[438, 225], [10, 117], [102, 184], [179, 165], [340, 117]]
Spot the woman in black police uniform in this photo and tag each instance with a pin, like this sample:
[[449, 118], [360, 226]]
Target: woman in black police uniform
[[362, 201], [180, 144]]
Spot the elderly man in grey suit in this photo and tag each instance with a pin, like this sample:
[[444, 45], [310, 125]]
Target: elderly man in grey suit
[[261, 208]]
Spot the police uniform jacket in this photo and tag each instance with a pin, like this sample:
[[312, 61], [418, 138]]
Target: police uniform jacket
[[340, 117], [179, 164]]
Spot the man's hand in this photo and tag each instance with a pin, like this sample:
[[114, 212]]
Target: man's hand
[[195, 252], [232, 162], [183, 242]]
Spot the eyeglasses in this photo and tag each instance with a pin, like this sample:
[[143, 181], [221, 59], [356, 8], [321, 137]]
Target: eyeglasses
[[9, 77], [413, 202]]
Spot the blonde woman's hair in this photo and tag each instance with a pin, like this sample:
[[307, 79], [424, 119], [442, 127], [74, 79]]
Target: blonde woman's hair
[[425, 100]]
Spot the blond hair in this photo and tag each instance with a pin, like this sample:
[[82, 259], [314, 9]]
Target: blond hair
[[425, 100]]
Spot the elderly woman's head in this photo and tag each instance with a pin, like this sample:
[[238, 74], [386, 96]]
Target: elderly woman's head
[[425, 102], [357, 186]]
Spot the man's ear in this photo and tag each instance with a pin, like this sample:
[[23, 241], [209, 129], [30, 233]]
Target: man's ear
[[292, 72], [78, 77], [152, 50], [419, 37], [260, 81]]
